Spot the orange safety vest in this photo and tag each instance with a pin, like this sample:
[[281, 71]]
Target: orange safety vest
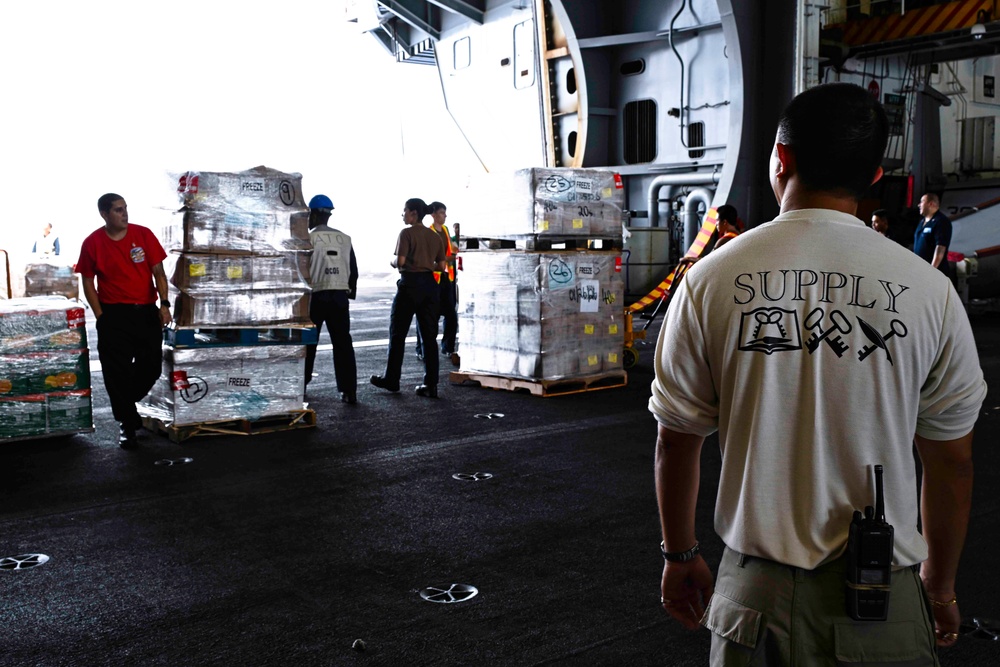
[[449, 255]]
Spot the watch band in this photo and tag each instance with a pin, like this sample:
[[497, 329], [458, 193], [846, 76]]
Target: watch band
[[679, 556], [164, 303]]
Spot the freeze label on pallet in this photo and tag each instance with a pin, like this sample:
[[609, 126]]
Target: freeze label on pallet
[[238, 383]]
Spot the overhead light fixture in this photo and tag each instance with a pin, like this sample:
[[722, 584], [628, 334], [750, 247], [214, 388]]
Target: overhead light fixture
[[979, 28]]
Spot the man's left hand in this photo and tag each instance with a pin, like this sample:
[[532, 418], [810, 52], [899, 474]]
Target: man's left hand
[[686, 589], [165, 317]]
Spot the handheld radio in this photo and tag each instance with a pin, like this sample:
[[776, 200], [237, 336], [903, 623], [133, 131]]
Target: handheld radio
[[869, 560]]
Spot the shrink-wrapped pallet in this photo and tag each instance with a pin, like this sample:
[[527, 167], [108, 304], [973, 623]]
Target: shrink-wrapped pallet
[[233, 230], [258, 211], [541, 316], [41, 324], [226, 383], [42, 372], [240, 290], [44, 368], [258, 308], [547, 202], [198, 274], [44, 279], [257, 189]]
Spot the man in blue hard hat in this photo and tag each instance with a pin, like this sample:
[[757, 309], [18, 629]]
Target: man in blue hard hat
[[333, 275]]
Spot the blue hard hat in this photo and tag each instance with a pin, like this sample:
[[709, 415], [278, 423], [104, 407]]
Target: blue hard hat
[[321, 201]]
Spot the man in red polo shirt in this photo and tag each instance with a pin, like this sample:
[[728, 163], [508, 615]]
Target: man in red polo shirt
[[125, 259]]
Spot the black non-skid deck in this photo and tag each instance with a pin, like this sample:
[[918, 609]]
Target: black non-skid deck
[[287, 548]]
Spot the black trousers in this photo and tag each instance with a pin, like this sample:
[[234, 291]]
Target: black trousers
[[449, 299], [417, 294], [129, 340], [332, 308]]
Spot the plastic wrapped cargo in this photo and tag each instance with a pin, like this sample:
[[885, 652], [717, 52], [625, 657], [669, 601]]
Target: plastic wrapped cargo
[[251, 309], [44, 279], [258, 211], [41, 324], [542, 316], [240, 290], [257, 189], [203, 274], [42, 372], [557, 202], [69, 411], [225, 383], [23, 416], [233, 230], [39, 415]]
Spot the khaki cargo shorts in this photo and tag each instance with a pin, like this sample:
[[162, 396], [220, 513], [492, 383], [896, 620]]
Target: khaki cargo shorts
[[766, 613]]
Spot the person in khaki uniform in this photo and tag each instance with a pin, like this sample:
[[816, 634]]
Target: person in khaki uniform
[[419, 253], [779, 341]]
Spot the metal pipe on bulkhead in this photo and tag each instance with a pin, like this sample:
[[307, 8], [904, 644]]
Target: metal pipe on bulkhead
[[692, 223], [690, 178]]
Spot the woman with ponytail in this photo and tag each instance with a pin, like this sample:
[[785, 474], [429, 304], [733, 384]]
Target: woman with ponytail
[[419, 253]]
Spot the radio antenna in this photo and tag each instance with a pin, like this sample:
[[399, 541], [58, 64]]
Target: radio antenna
[[879, 495]]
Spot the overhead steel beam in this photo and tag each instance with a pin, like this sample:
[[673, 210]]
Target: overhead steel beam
[[474, 10], [417, 13], [383, 38]]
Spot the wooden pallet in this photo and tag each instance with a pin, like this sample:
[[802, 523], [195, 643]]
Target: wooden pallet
[[287, 421], [546, 388], [536, 243]]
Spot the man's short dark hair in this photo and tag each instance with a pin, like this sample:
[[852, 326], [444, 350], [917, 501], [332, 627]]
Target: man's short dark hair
[[728, 213], [882, 213], [105, 202], [838, 133]]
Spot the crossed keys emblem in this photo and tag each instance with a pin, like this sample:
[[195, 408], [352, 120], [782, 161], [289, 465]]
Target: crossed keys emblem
[[838, 323]]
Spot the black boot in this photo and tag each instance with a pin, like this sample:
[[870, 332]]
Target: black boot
[[427, 390]]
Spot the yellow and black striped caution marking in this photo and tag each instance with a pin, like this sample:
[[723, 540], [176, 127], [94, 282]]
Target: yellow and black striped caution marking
[[938, 18], [698, 247]]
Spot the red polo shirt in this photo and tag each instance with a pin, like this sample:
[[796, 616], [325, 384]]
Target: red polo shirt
[[124, 268]]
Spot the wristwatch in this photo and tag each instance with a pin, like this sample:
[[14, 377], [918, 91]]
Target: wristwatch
[[164, 303], [679, 556]]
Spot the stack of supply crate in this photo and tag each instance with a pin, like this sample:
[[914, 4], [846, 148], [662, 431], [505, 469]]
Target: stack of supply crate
[[44, 369], [47, 279], [239, 266], [542, 296]]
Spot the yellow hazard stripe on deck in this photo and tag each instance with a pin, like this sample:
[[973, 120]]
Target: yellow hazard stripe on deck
[[700, 241], [915, 22]]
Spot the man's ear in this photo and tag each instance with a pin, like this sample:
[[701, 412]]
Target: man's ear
[[785, 164]]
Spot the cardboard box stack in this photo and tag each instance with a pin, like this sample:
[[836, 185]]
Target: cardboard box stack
[[239, 260], [204, 384], [45, 279], [44, 368], [243, 240], [553, 314]]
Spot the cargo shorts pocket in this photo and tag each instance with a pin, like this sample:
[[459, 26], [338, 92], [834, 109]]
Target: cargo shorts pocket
[[732, 620], [863, 643]]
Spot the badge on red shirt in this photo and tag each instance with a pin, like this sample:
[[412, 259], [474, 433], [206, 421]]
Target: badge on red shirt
[[138, 254]]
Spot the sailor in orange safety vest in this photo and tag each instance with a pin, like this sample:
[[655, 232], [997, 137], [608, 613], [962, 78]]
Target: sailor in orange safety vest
[[446, 281]]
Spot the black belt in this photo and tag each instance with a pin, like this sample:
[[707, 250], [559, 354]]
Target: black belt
[[127, 306]]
